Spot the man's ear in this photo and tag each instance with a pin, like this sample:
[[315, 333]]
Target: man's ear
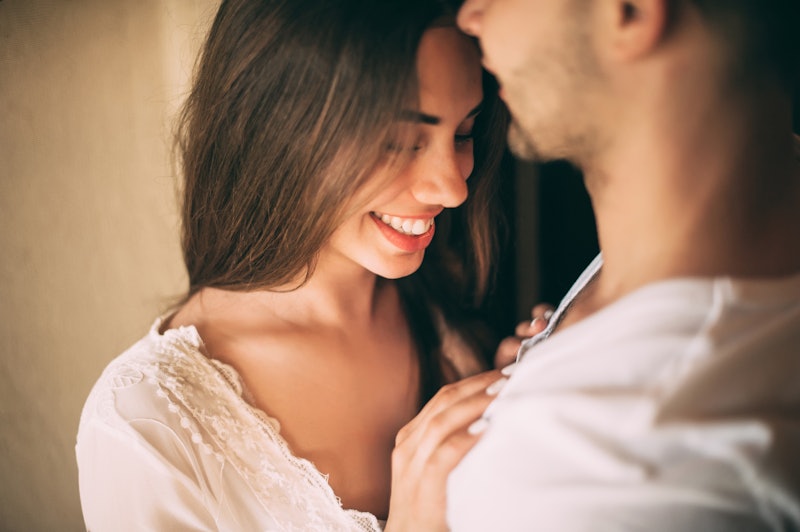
[[637, 26]]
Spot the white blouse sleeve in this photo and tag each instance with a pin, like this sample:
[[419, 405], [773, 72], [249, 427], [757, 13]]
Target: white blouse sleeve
[[167, 442], [129, 482]]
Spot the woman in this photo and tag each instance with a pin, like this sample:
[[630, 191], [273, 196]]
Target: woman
[[323, 144]]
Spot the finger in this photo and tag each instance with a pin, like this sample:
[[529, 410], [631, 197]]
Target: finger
[[461, 413], [421, 465], [447, 423], [523, 329], [536, 326], [542, 310], [506, 352], [526, 329], [450, 452], [457, 391], [457, 444], [444, 398], [418, 489]]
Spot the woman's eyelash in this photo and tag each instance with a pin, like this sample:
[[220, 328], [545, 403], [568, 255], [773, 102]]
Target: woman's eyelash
[[396, 146], [466, 137], [460, 138]]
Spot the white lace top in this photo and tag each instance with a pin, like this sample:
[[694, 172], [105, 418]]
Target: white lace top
[[167, 441]]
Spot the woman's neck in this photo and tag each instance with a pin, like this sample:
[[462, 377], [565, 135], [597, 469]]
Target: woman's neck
[[331, 298]]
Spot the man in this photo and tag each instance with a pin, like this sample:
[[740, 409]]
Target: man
[[668, 396]]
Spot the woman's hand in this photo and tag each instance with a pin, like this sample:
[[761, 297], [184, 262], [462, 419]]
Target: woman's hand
[[507, 349], [431, 445]]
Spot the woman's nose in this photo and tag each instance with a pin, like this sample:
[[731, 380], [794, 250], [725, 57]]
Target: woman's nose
[[442, 179]]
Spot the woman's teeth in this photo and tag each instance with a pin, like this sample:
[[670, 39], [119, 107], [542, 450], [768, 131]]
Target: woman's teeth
[[407, 226]]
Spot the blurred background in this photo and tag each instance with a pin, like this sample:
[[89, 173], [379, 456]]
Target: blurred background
[[89, 249]]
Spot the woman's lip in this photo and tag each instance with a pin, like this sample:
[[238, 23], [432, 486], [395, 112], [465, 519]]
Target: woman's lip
[[404, 242], [423, 216]]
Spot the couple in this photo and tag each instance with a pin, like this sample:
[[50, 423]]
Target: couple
[[323, 145]]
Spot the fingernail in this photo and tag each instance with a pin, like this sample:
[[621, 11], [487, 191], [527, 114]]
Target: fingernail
[[534, 321], [478, 426], [508, 370], [547, 315], [496, 386]]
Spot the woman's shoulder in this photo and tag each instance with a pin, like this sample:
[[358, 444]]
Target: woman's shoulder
[[164, 402], [164, 386], [161, 375]]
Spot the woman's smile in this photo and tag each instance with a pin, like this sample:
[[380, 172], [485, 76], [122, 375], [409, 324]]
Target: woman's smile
[[407, 226], [406, 233]]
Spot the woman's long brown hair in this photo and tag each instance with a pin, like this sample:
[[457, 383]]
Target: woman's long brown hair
[[290, 111]]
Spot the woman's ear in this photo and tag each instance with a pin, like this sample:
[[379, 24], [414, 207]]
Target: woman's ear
[[637, 27]]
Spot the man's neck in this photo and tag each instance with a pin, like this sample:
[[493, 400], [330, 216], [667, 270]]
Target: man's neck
[[712, 195]]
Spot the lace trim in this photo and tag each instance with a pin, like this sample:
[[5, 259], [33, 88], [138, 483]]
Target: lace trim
[[208, 396]]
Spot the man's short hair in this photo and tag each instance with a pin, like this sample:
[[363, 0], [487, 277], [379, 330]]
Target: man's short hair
[[765, 34]]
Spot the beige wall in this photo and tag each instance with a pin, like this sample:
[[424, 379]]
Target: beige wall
[[88, 231]]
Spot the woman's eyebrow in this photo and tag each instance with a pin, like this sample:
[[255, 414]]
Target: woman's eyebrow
[[424, 118]]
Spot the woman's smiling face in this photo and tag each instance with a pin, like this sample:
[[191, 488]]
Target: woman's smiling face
[[388, 237]]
